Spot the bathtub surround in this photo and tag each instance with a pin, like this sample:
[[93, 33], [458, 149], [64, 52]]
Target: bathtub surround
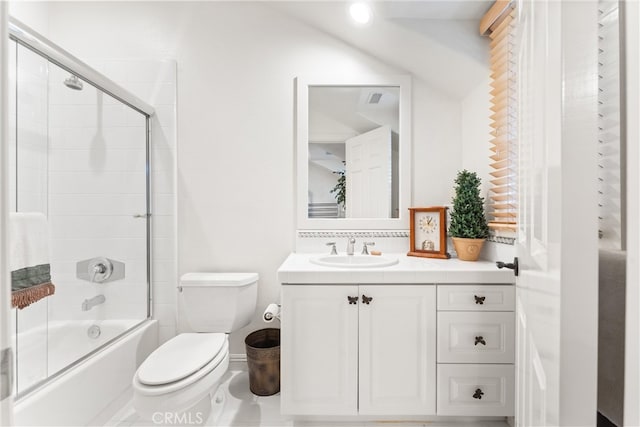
[[93, 187]]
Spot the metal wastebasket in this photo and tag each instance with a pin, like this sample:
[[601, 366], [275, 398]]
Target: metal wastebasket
[[263, 358]]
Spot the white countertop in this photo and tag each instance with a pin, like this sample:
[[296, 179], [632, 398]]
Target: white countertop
[[298, 269]]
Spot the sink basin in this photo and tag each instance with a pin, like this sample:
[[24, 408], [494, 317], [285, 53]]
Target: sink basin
[[355, 261]]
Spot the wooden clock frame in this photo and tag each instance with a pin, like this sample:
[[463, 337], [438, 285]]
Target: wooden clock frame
[[442, 216]]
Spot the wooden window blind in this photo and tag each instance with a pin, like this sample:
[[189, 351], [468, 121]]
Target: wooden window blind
[[611, 155], [499, 25]]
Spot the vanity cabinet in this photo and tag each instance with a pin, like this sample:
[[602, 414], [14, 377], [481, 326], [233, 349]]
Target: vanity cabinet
[[358, 349]]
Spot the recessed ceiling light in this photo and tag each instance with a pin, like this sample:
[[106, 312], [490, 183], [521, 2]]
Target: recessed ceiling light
[[360, 12]]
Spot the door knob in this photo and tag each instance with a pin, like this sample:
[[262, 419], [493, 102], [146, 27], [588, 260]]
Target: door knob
[[511, 265], [478, 394], [366, 299], [352, 300]]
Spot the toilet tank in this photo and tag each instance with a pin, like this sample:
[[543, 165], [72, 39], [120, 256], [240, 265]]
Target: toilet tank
[[217, 302]]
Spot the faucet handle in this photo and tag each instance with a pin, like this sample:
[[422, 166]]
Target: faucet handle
[[334, 251], [365, 250]]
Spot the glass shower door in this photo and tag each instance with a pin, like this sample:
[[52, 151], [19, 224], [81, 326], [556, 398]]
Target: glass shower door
[[97, 214], [81, 159], [28, 181]]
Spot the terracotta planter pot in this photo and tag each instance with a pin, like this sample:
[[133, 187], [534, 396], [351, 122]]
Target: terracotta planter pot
[[467, 249]]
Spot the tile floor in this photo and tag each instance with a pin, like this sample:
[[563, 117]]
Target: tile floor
[[240, 408]]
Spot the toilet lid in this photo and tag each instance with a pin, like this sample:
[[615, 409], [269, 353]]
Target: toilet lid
[[180, 357]]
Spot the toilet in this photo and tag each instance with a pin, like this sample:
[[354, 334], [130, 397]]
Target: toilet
[[177, 381]]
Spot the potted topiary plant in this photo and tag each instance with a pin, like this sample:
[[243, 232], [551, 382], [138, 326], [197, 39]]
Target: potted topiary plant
[[468, 228]]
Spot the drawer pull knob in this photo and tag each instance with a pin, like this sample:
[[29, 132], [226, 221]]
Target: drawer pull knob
[[478, 394], [366, 299], [479, 300], [480, 340], [352, 300]]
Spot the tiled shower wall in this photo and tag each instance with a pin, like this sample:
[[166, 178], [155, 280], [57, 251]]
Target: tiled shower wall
[[97, 150], [102, 224]]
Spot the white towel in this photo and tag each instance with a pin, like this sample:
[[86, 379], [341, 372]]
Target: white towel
[[28, 240]]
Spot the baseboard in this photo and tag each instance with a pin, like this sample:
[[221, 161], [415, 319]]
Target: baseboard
[[240, 357]]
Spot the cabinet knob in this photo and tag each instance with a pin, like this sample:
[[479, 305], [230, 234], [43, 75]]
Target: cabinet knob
[[352, 300], [479, 300], [480, 340], [366, 299], [478, 394]]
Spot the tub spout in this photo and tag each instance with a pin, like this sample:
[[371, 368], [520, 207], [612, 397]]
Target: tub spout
[[88, 304]]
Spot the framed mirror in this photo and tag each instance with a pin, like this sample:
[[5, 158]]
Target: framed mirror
[[353, 151]]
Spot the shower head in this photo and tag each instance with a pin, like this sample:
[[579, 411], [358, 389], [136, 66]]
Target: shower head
[[73, 82]]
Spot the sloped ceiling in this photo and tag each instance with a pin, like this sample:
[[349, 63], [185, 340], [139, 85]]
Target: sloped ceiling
[[436, 41]]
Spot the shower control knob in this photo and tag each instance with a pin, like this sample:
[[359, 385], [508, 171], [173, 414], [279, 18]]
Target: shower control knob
[[99, 268]]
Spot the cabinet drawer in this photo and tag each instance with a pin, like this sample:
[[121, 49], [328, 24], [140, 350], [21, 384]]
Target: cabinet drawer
[[476, 297], [479, 390], [476, 337]]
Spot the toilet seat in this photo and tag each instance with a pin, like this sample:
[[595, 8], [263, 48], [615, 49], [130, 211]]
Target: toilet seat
[[180, 362]]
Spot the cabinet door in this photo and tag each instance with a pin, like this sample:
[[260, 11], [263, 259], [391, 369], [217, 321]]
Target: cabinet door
[[398, 350], [319, 350]]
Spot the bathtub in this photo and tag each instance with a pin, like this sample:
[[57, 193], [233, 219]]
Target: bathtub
[[77, 396], [48, 349]]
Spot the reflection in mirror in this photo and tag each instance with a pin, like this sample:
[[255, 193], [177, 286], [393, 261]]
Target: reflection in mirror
[[353, 151]]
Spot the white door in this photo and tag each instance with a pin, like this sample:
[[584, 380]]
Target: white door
[[319, 359], [632, 327], [368, 179], [556, 294], [397, 350]]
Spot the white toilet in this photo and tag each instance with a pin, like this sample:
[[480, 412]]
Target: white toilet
[[181, 375]]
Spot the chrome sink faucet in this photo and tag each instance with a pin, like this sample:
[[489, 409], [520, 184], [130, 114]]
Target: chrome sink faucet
[[333, 248], [351, 244], [365, 250]]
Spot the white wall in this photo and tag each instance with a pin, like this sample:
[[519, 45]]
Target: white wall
[[236, 68], [35, 14]]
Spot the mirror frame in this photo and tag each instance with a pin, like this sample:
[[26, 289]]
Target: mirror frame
[[302, 154]]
